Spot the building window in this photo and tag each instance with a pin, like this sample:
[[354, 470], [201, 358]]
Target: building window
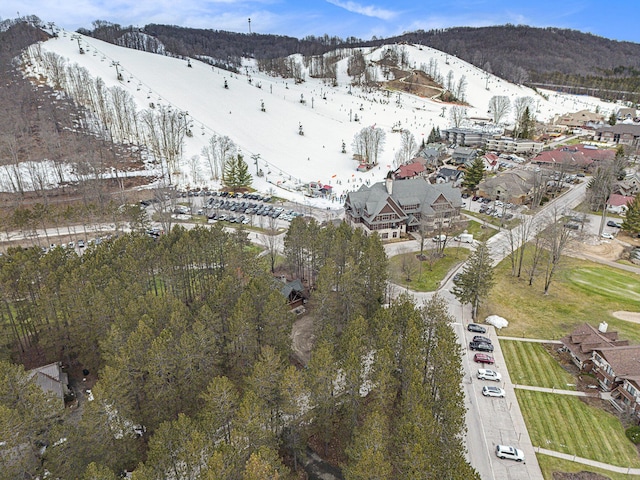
[[395, 234], [385, 235]]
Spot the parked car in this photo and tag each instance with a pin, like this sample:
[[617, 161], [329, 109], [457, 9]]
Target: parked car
[[607, 235], [613, 224], [483, 358], [488, 391], [481, 346], [80, 243], [481, 339], [486, 374], [474, 327], [572, 226], [439, 238], [508, 452]]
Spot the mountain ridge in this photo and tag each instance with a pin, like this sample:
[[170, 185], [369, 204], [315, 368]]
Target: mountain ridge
[[520, 54]]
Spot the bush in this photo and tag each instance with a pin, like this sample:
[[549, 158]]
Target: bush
[[633, 434]]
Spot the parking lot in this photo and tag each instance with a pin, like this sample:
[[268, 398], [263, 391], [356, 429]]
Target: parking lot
[[248, 208]]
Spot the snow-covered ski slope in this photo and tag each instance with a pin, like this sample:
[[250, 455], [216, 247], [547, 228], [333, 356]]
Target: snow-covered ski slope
[[286, 157]]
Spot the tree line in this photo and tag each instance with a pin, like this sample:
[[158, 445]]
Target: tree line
[[190, 337], [545, 55]]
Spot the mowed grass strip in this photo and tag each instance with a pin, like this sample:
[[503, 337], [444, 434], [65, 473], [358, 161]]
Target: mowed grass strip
[[565, 424], [531, 364], [549, 464], [608, 283], [581, 292]]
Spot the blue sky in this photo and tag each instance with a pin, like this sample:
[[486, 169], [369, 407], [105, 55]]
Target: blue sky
[[615, 19]]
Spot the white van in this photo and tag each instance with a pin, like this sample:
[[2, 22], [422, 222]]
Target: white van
[[464, 238]]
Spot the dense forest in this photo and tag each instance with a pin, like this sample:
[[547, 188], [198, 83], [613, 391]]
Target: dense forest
[[564, 59], [190, 337]]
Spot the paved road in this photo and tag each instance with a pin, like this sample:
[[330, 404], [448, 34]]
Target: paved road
[[492, 421]]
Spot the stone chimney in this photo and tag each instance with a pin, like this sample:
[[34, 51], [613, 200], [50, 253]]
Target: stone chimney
[[389, 184]]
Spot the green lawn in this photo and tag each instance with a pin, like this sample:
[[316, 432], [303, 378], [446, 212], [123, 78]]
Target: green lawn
[[551, 464], [582, 291], [531, 364], [479, 233], [423, 277], [566, 424]]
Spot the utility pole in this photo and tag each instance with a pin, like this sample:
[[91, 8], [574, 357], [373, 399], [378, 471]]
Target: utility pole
[[249, 26]]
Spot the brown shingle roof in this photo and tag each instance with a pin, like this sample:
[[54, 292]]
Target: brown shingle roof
[[624, 360], [585, 339]]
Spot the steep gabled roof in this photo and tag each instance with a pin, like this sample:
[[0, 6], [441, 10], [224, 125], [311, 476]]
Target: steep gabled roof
[[410, 170], [585, 338], [624, 360], [368, 202], [516, 182]]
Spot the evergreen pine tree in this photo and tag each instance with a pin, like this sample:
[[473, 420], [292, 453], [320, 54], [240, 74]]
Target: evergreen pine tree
[[631, 222], [474, 174], [236, 173], [243, 177], [230, 173], [476, 279], [432, 136]]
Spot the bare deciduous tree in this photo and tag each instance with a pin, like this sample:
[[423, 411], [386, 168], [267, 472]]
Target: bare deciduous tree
[[518, 238], [219, 149], [165, 130], [369, 143], [408, 148], [499, 106], [520, 106], [556, 237], [457, 114]]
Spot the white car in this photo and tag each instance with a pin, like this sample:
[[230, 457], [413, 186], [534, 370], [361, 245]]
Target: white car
[[511, 453], [608, 236], [486, 374], [493, 392]]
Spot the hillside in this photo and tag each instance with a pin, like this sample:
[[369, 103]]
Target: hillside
[[329, 113], [525, 54], [519, 54]]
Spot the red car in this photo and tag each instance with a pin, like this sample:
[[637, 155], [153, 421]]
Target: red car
[[483, 358]]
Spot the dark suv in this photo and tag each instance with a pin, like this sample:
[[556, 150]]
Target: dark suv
[[481, 346], [474, 327], [481, 339]]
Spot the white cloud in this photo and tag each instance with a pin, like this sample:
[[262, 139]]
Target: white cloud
[[366, 10]]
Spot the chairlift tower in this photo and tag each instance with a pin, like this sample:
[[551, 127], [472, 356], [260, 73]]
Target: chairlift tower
[[117, 65], [75, 36]]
